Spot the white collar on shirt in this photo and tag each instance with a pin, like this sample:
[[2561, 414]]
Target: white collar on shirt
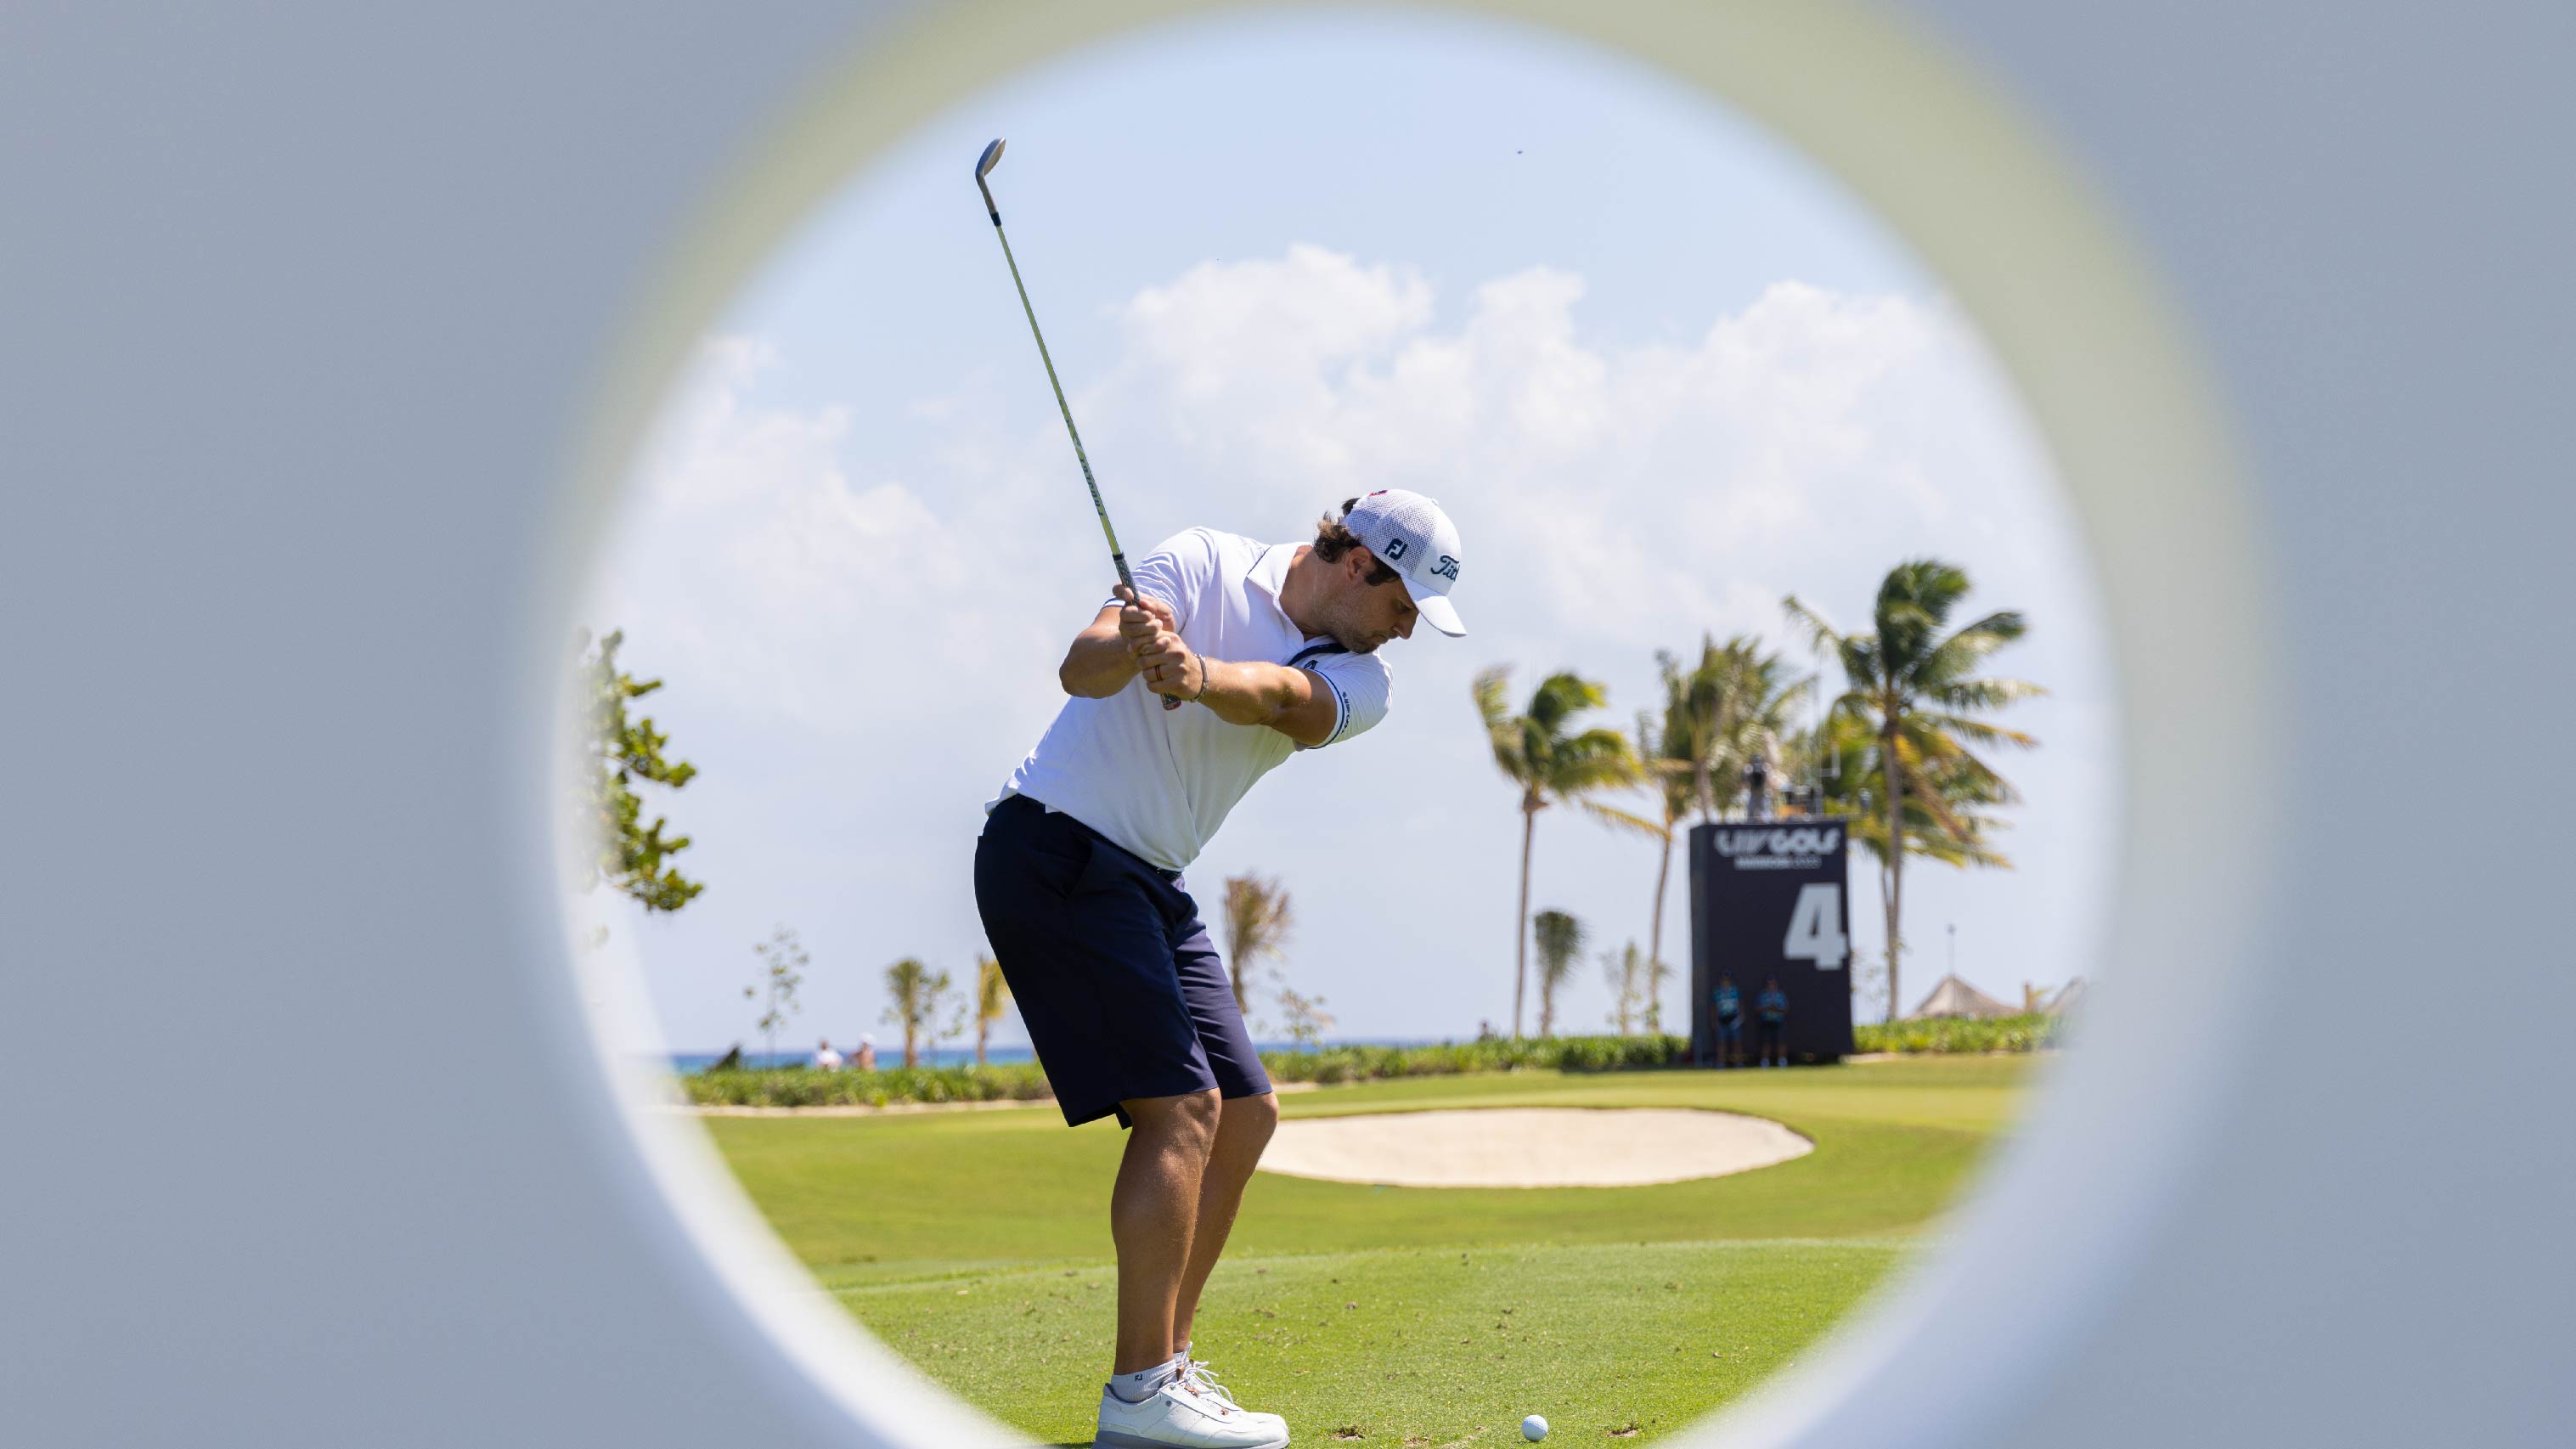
[[1270, 572]]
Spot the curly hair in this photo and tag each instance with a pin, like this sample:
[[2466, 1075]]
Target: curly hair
[[1332, 540]]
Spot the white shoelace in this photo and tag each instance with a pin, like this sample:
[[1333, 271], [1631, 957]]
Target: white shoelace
[[1202, 1380]]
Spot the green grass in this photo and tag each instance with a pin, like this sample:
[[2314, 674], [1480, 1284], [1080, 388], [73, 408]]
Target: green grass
[[977, 1244], [1427, 1345]]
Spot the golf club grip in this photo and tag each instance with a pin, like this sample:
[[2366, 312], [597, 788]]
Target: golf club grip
[[992, 154], [1129, 580]]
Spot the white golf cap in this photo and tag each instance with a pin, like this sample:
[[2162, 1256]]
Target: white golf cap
[[1410, 535]]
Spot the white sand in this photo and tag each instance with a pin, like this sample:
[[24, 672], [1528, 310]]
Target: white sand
[[1529, 1147]]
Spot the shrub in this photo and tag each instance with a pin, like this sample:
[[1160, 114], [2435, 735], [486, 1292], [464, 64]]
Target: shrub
[[806, 1087], [1499, 1054], [1025, 1082], [2028, 1032]]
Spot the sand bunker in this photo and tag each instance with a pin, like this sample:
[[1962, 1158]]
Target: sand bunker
[[1529, 1147]]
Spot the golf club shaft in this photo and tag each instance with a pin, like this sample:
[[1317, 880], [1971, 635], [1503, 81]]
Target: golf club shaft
[[1116, 555]]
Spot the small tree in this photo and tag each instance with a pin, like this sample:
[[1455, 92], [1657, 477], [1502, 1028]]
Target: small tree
[[1869, 985], [616, 754], [1307, 1019], [1630, 984], [917, 992], [1559, 938], [1257, 923], [992, 998], [1658, 972], [782, 970]]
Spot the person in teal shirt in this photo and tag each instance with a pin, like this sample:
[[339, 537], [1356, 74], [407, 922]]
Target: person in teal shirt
[[1729, 1017], [1772, 1009]]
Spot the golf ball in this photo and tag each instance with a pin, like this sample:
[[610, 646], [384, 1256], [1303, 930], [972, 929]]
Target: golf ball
[[1533, 1428]]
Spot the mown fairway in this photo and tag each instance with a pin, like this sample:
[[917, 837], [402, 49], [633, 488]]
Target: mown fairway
[[977, 1244]]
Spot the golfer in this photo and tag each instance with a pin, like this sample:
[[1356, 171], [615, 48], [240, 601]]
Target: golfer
[[1272, 648]]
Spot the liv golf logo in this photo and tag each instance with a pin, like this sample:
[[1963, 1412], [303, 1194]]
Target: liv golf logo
[[1781, 849]]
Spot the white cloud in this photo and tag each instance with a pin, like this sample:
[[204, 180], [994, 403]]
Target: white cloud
[[1600, 481], [798, 593], [868, 646]]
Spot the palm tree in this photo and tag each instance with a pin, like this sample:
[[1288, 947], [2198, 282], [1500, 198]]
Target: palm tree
[[992, 998], [1737, 704], [1539, 751], [1666, 771], [1560, 945], [917, 993], [1842, 757], [1257, 923], [1911, 691]]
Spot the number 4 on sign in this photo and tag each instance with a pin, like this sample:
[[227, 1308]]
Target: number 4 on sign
[[1816, 928]]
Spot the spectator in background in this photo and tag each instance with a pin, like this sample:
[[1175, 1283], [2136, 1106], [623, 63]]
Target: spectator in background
[[1727, 1010], [867, 1057], [826, 1059], [1772, 1008]]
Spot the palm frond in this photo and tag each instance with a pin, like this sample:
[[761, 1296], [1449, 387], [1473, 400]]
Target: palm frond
[[1563, 695], [1975, 729], [1559, 938], [1821, 636], [1620, 819]]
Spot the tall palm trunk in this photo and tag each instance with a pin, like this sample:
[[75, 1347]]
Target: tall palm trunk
[[1520, 937], [1655, 931], [1894, 895], [983, 1029], [911, 1044]]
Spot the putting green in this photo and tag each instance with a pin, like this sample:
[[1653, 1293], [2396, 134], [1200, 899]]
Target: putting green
[[977, 1244]]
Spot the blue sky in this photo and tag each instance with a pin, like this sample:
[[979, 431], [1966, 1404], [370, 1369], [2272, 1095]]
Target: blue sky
[[1661, 370]]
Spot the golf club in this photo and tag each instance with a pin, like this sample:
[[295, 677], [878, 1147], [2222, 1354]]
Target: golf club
[[984, 165]]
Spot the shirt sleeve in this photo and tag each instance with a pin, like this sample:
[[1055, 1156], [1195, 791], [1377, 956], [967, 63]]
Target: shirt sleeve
[[1177, 572], [1360, 685]]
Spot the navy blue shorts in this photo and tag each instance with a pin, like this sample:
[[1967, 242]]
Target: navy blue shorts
[[1112, 970]]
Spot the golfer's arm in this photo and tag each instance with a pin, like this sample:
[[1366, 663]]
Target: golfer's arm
[[1098, 664], [1291, 701]]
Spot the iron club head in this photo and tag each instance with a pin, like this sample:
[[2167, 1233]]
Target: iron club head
[[984, 165]]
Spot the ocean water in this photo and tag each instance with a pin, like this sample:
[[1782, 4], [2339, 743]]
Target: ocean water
[[686, 1062]]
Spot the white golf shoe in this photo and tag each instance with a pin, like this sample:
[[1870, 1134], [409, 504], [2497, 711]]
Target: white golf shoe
[[1180, 1415], [1199, 1372]]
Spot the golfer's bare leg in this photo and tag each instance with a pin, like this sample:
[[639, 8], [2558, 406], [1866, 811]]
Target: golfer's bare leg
[[1242, 1130], [1151, 1213]]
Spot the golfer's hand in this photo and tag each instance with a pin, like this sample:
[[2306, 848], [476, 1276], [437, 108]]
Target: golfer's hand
[[1169, 668], [1151, 632], [1141, 619]]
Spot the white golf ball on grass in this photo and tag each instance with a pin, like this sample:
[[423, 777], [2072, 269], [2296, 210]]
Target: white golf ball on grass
[[1534, 1428]]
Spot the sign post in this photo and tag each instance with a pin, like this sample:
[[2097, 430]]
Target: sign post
[[1770, 900]]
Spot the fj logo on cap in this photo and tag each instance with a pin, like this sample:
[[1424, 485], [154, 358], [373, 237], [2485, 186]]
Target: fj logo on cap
[[1396, 548]]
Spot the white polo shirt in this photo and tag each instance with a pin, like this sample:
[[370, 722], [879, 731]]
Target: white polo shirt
[[1159, 782]]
